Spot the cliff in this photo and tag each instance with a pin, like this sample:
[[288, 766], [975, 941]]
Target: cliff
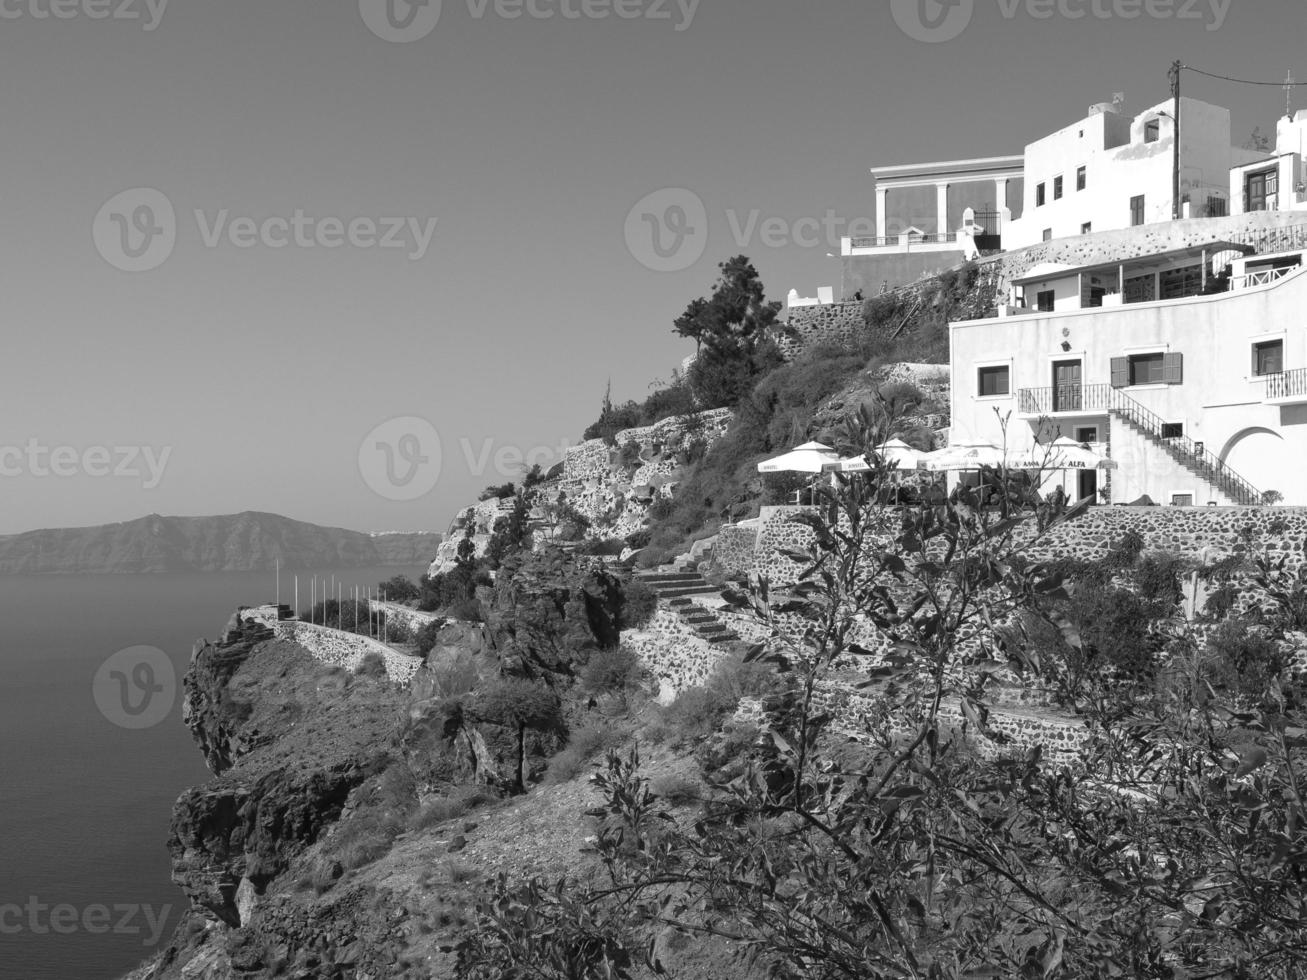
[[234, 543]]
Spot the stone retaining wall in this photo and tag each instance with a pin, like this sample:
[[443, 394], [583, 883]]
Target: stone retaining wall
[[671, 651], [347, 649], [411, 619]]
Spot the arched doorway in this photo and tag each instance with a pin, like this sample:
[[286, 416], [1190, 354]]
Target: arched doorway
[[1257, 455]]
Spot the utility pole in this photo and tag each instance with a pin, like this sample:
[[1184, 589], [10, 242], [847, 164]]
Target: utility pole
[[1176, 209]]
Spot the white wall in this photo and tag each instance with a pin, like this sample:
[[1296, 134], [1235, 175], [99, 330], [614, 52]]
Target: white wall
[[1219, 401]]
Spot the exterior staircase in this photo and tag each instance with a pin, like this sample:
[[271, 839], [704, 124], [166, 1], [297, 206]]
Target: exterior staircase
[[677, 589], [1195, 458], [1192, 456]]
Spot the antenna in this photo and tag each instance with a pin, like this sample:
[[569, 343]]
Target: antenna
[[1289, 83]]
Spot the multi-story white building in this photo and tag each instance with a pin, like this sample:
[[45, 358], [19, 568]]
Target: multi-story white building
[[1110, 171], [1200, 397]]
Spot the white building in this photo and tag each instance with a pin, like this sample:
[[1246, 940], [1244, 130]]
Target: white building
[[1109, 171], [1199, 398], [1276, 181]]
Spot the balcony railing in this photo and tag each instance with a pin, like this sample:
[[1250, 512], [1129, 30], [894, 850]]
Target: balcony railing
[[1063, 398], [895, 240], [1287, 385], [1263, 278]]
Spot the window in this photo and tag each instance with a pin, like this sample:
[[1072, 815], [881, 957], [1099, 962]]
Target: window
[[1178, 283], [1048, 234], [1182, 500], [1217, 207], [1086, 228], [1148, 369], [1082, 178], [1136, 211], [1141, 289], [993, 382], [1152, 130], [1172, 430], [1086, 433], [1057, 188], [1040, 195], [1268, 357], [1046, 301]]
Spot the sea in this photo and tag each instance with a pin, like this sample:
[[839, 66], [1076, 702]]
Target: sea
[[93, 753]]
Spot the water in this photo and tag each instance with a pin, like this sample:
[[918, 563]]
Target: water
[[85, 803]]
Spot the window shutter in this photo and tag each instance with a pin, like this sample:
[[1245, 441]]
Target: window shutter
[[1120, 372], [1172, 369]]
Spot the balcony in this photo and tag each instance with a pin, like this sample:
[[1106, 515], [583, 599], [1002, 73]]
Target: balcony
[[1286, 388], [1063, 400], [1263, 278]]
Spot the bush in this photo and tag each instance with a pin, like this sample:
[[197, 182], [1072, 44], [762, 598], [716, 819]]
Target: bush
[[638, 539], [401, 588], [497, 492], [610, 671], [586, 743], [677, 790], [1243, 659], [639, 604], [605, 546], [1157, 575], [457, 804], [372, 665], [427, 635], [629, 455]]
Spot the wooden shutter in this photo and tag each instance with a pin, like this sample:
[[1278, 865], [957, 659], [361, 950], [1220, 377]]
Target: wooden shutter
[[1120, 372], [1172, 369]]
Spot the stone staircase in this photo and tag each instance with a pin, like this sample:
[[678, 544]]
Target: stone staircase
[[677, 589]]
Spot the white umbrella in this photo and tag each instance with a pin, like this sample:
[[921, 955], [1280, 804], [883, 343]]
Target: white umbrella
[[895, 452], [811, 457], [964, 456], [1064, 454]]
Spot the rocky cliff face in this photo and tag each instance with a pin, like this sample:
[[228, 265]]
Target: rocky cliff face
[[235, 543]]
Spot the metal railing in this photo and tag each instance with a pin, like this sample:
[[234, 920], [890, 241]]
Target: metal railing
[[1287, 384], [1268, 240], [897, 239], [1195, 456]]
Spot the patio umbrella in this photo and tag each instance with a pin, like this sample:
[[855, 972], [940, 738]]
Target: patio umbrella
[[1064, 454], [895, 451], [811, 457], [964, 456]]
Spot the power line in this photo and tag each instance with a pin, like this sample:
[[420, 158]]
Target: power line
[[1242, 81]]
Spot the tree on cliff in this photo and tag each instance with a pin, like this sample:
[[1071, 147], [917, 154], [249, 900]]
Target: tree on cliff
[[1177, 849], [729, 330], [520, 705]]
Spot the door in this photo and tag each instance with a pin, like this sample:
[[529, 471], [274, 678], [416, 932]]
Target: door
[[1088, 485], [1260, 189], [1067, 395]]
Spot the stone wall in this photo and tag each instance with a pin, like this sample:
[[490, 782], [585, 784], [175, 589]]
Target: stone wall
[[411, 619], [347, 649], [670, 651]]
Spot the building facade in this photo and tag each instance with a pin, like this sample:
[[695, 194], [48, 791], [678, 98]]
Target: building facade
[[1200, 397]]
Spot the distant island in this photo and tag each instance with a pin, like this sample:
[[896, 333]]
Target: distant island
[[246, 542]]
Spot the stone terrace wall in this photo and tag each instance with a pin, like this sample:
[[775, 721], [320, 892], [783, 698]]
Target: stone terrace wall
[[673, 653], [838, 323], [347, 649], [1185, 531], [411, 619]]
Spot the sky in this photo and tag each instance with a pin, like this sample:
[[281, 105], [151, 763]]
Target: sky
[[351, 263]]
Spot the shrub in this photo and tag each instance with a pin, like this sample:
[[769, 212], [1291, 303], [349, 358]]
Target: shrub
[[677, 790], [372, 665], [1243, 659], [638, 539], [426, 636], [586, 743], [629, 455], [401, 588], [1158, 577], [451, 807], [497, 492], [611, 671], [639, 603]]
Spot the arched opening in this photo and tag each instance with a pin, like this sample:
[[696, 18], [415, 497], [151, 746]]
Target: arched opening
[[1256, 454]]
